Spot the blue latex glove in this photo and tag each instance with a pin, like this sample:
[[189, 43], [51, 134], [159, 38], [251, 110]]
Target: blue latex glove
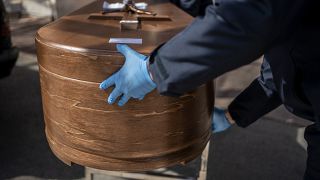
[[132, 80], [219, 120]]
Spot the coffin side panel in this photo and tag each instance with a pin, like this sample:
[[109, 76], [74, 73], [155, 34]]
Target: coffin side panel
[[82, 128]]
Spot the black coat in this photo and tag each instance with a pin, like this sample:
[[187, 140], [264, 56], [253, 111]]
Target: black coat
[[233, 33]]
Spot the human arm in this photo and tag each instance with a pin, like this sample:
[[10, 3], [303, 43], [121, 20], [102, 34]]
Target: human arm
[[232, 33], [259, 98], [246, 108]]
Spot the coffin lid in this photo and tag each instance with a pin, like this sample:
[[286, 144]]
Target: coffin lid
[[75, 32]]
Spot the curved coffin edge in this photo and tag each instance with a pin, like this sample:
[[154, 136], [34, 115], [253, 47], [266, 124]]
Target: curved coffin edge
[[134, 165]]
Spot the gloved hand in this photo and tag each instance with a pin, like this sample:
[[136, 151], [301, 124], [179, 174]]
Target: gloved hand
[[219, 120], [132, 80]]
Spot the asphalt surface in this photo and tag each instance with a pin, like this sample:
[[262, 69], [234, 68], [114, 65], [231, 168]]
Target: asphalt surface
[[267, 150]]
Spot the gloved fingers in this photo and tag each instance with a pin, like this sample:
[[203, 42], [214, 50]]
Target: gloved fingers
[[107, 83], [127, 51], [216, 128], [114, 95], [124, 99], [123, 49]]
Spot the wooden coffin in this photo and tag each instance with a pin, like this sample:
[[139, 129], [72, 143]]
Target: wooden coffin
[[74, 56]]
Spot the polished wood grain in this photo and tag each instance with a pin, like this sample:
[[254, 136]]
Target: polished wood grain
[[74, 57]]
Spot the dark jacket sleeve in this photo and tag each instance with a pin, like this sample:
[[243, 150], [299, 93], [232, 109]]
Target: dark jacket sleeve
[[192, 7], [232, 33], [256, 100]]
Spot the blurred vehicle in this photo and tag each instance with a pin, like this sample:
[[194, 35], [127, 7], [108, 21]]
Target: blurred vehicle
[[8, 53]]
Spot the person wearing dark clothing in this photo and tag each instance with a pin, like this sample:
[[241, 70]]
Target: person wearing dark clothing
[[8, 54], [228, 35]]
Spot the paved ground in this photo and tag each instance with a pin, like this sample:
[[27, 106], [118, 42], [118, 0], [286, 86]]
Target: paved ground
[[266, 150]]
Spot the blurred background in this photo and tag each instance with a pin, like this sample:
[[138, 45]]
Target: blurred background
[[272, 148]]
